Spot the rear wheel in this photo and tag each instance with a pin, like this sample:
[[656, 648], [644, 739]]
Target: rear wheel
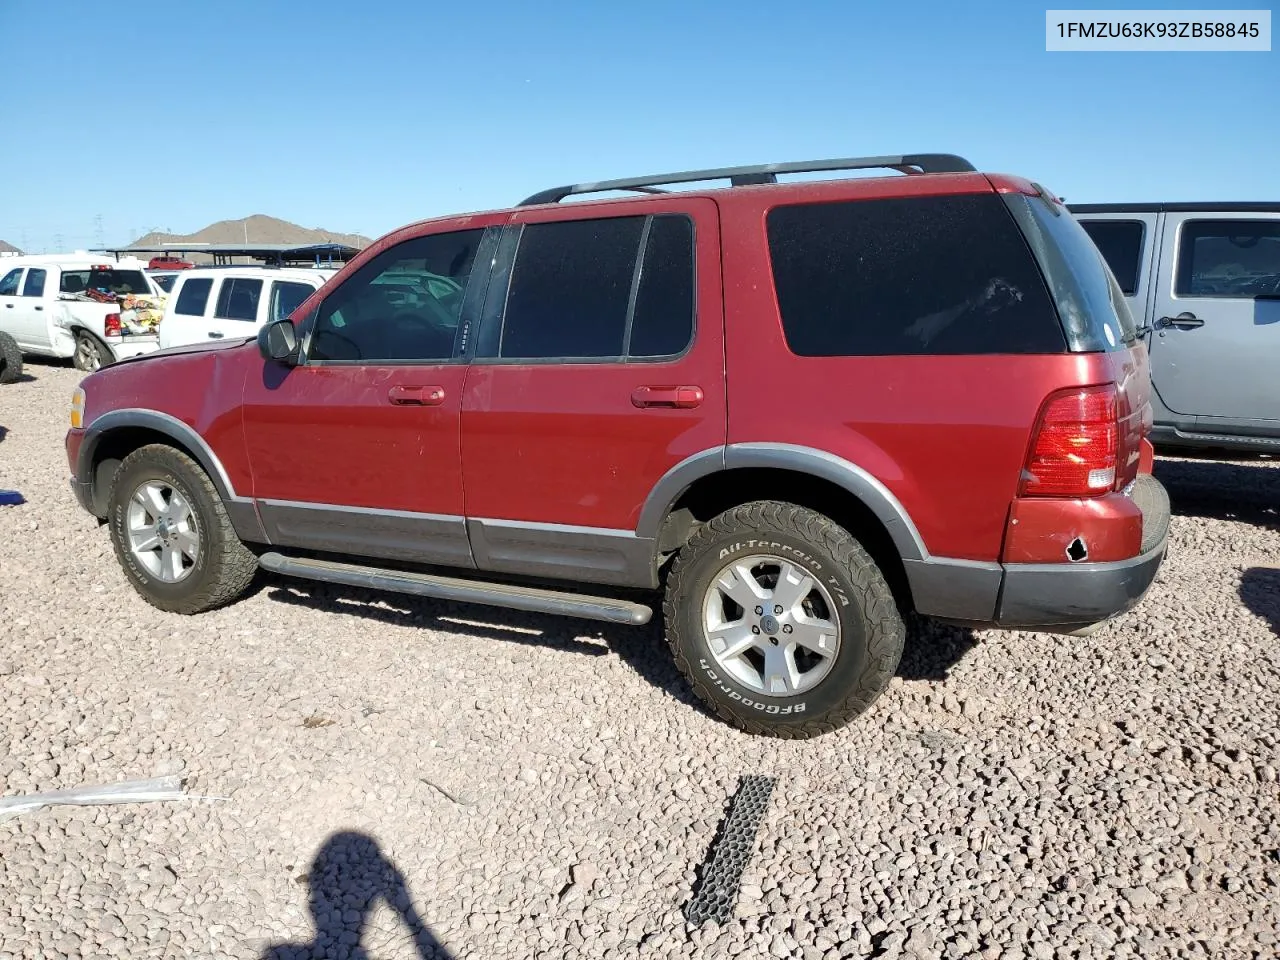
[[781, 621], [91, 353], [172, 535], [10, 359]]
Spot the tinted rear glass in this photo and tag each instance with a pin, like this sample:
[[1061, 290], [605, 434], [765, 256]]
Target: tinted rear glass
[[1093, 310], [119, 282], [1120, 243], [193, 296], [911, 275]]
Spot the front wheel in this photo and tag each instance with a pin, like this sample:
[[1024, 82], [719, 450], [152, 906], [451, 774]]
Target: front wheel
[[91, 353], [172, 534], [781, 621]]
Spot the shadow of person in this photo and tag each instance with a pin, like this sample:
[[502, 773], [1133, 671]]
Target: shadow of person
[[1260, 591], [347, 879]]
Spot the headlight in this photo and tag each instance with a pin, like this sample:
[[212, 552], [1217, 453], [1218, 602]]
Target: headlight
[[77, 408]]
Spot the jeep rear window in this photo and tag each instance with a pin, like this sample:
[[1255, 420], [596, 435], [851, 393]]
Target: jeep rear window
[[909, 275], [1093, 309], [1120, 243]]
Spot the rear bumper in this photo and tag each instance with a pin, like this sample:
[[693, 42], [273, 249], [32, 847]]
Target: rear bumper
[[133, 346], [1054, 597], [1057, 595]]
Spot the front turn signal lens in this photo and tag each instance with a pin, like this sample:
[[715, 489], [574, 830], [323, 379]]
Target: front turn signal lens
[[77, 408]]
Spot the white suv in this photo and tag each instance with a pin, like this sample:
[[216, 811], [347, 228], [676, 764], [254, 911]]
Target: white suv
[[213, 303]]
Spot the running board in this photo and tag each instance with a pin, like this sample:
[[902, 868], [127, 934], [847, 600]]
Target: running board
[[532, 599]]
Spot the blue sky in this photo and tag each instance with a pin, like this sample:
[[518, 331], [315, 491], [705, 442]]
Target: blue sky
[[364, 116]]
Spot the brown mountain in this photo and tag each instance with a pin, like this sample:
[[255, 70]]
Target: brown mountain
[[8, 248], [258, 228]]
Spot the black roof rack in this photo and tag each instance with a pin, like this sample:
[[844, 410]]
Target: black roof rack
[[762, 173]]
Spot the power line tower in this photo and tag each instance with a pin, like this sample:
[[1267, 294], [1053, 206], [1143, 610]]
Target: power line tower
[[97, 231], [57, 243]]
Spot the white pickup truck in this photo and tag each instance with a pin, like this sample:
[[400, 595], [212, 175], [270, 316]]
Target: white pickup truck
[[93, 309]]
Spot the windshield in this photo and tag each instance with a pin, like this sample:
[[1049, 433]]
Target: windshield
[[118, 282]]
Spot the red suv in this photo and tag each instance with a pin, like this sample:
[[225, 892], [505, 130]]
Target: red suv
[[802, 410]]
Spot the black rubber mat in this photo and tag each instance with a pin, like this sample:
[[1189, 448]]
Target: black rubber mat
[[717, 894]]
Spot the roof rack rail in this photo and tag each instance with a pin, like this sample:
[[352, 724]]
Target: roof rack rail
[[910, 163]]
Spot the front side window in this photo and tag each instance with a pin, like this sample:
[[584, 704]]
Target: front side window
[[193, 297], [34, 286], [286, 297], [586, 290], [403, 306], [1120, 243], [238, 299], [904, 276], [1229, 258], [9, 283]]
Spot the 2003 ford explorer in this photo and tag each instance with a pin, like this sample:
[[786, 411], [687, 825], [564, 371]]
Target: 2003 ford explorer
[[800, 409]]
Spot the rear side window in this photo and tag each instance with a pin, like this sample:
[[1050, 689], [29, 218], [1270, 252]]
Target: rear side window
[[9, 284], [1120, 243], [193, 297], [286, 297], [603, 289], [238, 299], [1094, 313], [1229, 258], [34, 286], [911, 275]]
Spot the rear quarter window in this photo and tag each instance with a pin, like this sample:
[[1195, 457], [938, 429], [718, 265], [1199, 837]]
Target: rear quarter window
[[908, 276], [193, 296], [1120, 243], [1094, 313]]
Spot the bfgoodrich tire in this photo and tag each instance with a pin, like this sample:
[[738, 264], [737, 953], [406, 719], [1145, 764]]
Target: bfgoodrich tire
[[172, 535], [10, 359], [781, 622]]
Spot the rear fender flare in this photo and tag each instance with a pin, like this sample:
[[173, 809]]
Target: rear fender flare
[[797, 459]]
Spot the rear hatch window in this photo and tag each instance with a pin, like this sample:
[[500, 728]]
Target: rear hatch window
[[1094, 313], [909, 276]]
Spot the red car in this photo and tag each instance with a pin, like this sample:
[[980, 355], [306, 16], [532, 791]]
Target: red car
[[801, 410]]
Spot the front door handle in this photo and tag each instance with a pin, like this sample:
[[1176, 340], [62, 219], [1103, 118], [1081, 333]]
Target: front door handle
[[1183, 321], [684, 398], [38, 307], [216, 334], [416, 396]]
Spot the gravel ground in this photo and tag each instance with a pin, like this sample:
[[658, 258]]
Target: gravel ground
[[430, 779]]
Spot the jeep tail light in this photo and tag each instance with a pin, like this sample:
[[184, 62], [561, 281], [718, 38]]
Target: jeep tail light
[[1076, 443], [111, 325]]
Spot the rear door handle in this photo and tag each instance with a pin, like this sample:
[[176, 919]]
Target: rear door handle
[[416, 396], [684, 398], [214, 333], [38, 307], [1183, 321]]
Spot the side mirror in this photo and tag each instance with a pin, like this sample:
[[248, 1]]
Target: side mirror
[[278, 341]]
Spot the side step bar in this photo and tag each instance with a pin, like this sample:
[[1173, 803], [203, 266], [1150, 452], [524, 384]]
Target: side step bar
[[533, 599]]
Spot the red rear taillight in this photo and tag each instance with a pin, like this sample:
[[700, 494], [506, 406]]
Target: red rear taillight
[[1074, 450], [111, 325]]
